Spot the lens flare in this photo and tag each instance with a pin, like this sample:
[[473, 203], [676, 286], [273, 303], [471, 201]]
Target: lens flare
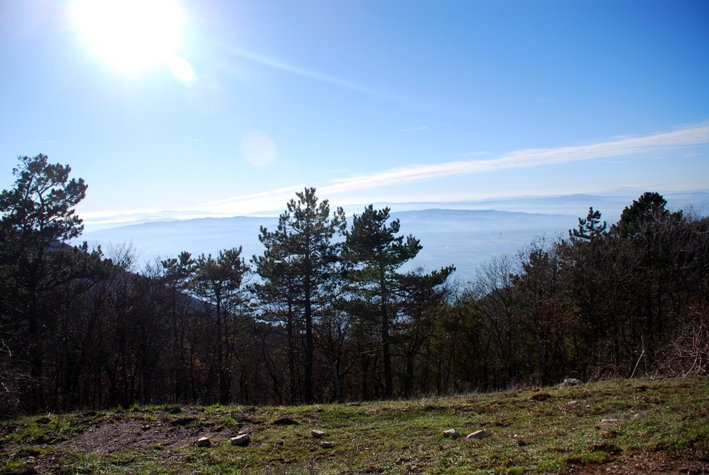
[[181, 69], [258, 148]]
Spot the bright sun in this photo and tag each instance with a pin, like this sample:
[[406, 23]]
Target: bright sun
[[130, 34]]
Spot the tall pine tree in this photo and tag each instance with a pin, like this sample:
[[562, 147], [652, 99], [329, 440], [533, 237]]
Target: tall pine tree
[[375, 252], [301, 254]]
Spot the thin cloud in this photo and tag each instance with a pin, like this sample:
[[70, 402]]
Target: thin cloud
[[416, 128], [525, 158], [283, 66], [474, 154], [253, 202], [517, 159]]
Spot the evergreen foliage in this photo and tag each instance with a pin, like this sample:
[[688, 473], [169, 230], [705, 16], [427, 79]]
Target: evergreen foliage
[[326, 313]]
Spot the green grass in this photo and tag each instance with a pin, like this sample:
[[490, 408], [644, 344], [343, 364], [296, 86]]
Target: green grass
[[530, 431]]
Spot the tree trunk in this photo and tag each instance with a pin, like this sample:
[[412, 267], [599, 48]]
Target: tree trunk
[[388, 376], [292, 376], [309, 349]]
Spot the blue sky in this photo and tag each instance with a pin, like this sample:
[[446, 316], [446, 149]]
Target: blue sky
[[366, 100]]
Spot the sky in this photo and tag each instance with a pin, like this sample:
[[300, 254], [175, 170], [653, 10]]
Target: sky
[[230, 107]]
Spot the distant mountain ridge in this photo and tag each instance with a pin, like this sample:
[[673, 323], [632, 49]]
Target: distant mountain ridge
[[464, 238], [611, 204], [450, 233]]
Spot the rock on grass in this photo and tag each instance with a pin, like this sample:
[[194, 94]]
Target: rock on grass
[[452, 433], [241, 440], [478, 434]]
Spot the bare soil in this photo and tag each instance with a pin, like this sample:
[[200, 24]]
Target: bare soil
[[130, 435]]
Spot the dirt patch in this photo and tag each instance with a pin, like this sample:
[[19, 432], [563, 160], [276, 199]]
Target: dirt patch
[[285, 421], [659, 464], [130, 435]]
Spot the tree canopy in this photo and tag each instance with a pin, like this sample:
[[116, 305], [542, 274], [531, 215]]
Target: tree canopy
[[335, 312]]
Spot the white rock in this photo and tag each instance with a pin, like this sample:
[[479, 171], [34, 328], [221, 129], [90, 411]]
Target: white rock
[[478, 434], [204, 442], [452, 433], [318, 434], [326, 445], [241, 440], [571, 381], [609, 421]]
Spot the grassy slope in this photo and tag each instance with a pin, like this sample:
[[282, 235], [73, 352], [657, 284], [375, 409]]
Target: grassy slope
[[536, 431]]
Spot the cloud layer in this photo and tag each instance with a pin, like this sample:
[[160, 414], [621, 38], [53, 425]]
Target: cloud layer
[[524, 158], [518, 159]]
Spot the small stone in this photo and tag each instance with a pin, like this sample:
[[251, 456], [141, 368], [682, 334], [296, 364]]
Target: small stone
[[478, 434], [572, 403], [241, 440], [204, 442], [609, 421], [571, 381], [318, 434], [326, 445], [452, 433]]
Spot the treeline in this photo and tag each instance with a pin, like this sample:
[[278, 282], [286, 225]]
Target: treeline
[[325, 313]]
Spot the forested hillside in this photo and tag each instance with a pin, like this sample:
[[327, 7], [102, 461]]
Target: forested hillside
[[325, 312]]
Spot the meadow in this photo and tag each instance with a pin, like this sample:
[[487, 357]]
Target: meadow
[[617, 426]]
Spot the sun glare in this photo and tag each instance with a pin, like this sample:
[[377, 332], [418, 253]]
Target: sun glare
[[181, 69], [130, 34]]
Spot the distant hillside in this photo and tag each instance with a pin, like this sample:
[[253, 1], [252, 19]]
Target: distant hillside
[[610, 204], [465, 238]]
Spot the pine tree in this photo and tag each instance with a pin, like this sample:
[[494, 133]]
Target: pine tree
[[375, 252], [301, 254], [218, 282], [38, 218]]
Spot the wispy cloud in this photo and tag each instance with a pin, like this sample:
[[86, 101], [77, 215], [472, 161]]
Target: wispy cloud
[[416, 128], [300, 71], [474, 154], [253, 202], [516, 159], [525, 158]]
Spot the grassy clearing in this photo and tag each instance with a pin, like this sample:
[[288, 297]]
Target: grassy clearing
[[530, 431]]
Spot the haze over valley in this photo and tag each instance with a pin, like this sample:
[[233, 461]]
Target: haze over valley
[[465, 234]]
